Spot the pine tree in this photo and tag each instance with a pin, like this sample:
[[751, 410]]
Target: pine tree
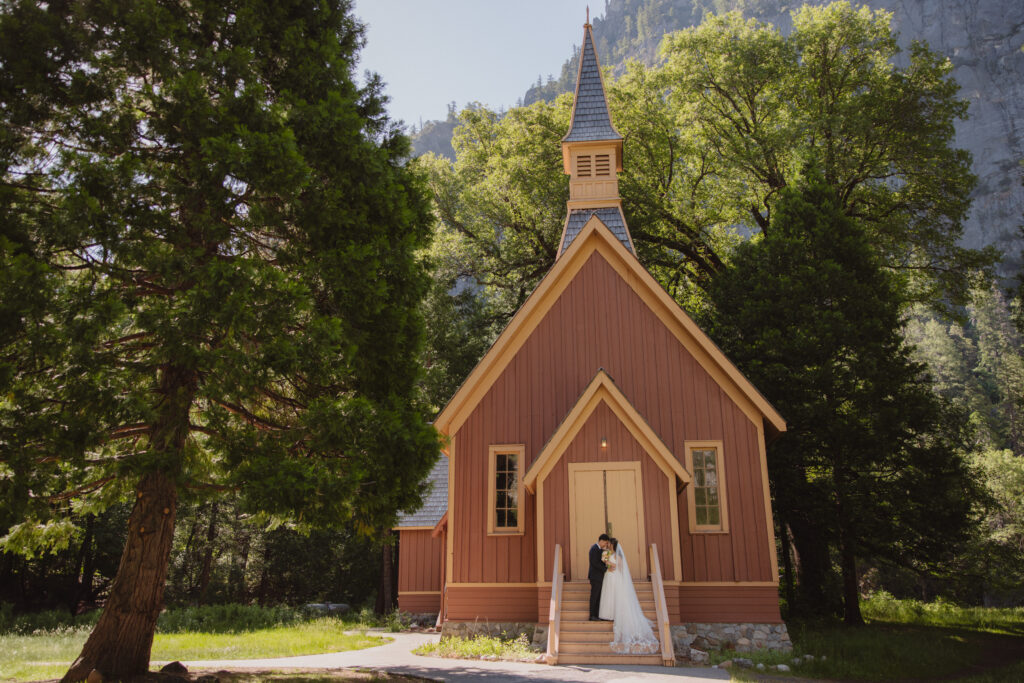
[[222, 242], [871, 465]]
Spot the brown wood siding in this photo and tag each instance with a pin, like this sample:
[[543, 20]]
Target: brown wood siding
[[599, 321], [420, 559], [622, 447], [712, 604], [419, 603], [492, 603]]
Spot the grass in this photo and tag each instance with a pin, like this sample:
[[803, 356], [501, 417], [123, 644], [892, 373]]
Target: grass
[[905, 639], [222, 632], [477, 647]]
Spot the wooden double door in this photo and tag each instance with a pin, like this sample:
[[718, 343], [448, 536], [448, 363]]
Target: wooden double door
[[606, 498]]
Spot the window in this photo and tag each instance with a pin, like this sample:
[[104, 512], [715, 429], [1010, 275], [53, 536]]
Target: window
[[505, 489], [602, 165], [583, 166], [706, 500]]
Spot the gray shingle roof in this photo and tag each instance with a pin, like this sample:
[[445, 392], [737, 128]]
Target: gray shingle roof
[[435, 503], [612, 217], [590, 119]]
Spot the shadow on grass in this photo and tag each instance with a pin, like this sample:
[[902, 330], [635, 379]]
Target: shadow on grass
[[903, 652]]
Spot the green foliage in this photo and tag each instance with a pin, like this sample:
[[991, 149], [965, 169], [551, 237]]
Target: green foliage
[[517, 648], [228, 241], [882, 607], [872, 463], [763, 104]]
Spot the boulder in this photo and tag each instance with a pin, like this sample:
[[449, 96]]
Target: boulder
[[174, 668]]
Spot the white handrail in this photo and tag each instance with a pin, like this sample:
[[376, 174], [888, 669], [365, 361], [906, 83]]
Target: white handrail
[[668, 653], [555, 610]]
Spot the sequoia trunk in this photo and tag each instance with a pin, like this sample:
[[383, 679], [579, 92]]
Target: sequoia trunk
[[119, 646]]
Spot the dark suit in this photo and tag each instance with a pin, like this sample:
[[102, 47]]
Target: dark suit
[[596, 576]]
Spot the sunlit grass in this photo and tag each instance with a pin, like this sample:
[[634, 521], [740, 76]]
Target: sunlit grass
[[46, 654]]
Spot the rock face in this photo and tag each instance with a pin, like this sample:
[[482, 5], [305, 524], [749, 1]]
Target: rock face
[[983, 38]]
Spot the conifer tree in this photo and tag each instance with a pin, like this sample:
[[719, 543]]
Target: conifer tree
[[872, 462], [211, 279]]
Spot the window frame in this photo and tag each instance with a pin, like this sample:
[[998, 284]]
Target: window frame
[[519, 450], [691, 498]]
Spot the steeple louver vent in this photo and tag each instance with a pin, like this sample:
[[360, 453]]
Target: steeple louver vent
[[602, 165], [583, 166]]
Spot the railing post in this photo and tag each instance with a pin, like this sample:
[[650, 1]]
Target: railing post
[[555, 608], [668, 654]]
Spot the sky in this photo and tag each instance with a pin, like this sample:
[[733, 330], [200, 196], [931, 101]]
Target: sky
[[432, 52]]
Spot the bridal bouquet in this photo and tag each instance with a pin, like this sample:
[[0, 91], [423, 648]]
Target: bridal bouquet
[[607, 558]]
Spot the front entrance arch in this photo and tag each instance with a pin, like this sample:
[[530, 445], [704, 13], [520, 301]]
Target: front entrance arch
[[606, 497]]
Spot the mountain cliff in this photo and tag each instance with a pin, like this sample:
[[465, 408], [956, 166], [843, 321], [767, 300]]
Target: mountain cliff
[[984, 39]]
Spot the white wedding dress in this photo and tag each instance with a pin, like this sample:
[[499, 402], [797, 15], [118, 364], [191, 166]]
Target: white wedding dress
[[633, 632]]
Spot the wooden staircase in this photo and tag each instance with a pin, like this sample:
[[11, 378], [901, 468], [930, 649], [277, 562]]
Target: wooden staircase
[[574, 639], [582, 641]]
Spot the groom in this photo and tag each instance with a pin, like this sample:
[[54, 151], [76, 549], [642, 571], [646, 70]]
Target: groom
[[596, 574]]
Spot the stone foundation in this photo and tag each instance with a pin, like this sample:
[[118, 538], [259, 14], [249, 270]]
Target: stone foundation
[[421, 619], [497, 629], [729, 636]]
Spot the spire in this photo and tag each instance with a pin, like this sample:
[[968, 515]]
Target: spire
[[590, 118], [592, 154]]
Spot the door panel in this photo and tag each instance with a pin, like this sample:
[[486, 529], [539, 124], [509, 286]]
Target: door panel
[[605, 498], [624, 517], [589, 515]]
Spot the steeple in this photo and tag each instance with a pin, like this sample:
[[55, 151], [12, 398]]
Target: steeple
[[592, 154]]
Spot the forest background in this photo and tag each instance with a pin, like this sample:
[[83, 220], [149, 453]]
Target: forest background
[[499, 196]]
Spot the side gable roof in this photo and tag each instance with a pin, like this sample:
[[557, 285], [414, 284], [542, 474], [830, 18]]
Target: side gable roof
[[602, 389], [435, 503], [596, 237]]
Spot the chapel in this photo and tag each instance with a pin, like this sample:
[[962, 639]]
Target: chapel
[[601, 408]]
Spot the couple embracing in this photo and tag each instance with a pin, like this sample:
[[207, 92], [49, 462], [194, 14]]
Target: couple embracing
[[613, 598]]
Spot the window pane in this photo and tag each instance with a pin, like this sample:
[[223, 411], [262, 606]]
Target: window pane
[[512, 517], [700, 496], [712, 515], [709, 460], [698, 460], [711, 479], [712, 496], [702, 515], [501, 517], [698, 478]]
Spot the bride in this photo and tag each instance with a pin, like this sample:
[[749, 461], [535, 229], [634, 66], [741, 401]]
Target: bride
[[633, 633]]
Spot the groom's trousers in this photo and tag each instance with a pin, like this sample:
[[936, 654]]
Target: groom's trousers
[[595, 596]]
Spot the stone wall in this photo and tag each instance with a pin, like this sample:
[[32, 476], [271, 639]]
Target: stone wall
[[729, 636]]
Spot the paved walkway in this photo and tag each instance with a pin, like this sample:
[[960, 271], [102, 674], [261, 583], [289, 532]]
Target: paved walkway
[[397, 657]]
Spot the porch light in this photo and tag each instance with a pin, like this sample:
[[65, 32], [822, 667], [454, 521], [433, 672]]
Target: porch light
[[604, 442]]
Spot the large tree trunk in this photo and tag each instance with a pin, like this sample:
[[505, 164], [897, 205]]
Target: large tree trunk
[[385, 591], [788, 588], [812, 569], [120, 644]]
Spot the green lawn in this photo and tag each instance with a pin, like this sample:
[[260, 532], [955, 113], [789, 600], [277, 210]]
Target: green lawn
[[906, 639], [47, 654]]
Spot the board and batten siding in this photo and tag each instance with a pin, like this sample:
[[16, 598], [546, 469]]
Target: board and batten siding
[[599, 321], [420, 570], [622, 446]]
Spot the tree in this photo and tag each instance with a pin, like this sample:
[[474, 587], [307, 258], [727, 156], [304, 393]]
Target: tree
[[229, 242], [872, 462], [882, 134]]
